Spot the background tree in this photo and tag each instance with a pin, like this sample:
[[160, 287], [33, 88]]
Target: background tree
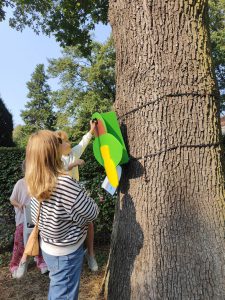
[[39, 112], [69, 21], [20, 136], [86, 85], [6, 126]]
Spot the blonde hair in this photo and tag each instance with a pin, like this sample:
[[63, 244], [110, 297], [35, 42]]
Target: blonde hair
[[43, 163], [62, 134]]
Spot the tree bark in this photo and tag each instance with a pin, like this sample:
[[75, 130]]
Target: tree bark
[[168, 234]]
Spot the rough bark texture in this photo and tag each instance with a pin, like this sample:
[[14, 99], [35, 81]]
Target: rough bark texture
[[168, 235]]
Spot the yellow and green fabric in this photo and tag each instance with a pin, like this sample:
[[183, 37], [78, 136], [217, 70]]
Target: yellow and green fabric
[[108, 147]]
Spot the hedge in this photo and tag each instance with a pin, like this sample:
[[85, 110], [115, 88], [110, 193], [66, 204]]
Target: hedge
[[10, 171]]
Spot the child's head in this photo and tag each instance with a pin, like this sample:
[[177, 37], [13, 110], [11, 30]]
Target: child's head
[[66, 145], [43, 163]]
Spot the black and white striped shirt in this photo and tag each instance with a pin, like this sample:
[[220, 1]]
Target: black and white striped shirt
[[65, 216]]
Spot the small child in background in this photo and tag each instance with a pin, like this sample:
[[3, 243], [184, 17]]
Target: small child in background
[[19, 199], [71, 161]]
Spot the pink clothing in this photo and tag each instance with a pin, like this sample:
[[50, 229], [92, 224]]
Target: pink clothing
[[18, 249], [20, 194]]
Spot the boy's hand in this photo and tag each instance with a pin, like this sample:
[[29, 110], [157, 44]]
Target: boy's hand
[[92, 126], [77, 162]]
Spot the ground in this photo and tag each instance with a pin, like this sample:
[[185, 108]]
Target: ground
[[35, 286]]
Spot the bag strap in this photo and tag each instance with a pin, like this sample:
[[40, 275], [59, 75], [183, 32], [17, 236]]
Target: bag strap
[[38, 215]]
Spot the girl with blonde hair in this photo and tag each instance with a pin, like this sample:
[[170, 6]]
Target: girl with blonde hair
[[66, 210]]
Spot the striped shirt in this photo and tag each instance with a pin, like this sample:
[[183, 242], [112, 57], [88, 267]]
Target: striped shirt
[[64, 217]]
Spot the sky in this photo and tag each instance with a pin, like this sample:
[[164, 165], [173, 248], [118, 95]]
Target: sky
[[20, 52]]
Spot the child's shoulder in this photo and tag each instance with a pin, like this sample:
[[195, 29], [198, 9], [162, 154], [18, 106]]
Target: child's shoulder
[[21, 182], [67, 180], [19, 185]]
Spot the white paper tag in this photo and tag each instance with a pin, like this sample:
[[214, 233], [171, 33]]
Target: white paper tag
[[106, 184]]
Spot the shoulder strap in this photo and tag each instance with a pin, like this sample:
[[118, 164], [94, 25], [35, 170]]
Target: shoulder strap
[[38, 214]]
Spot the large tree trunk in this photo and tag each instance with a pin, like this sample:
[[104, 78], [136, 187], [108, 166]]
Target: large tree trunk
[[168, 235]]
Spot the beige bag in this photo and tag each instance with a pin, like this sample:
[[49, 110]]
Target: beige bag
[[32, 246]]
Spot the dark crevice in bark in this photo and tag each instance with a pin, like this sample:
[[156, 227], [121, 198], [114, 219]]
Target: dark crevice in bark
[[176, 147], [162, 98]]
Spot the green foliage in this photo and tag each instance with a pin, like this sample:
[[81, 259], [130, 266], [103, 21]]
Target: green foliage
[[217, 30], [87, 85], [39, 110], [102, 256], [6, 126], [7, 234], [69, 21], [5, 258], [10, 172], [20, 136]]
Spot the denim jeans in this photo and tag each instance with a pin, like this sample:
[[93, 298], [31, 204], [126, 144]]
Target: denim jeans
[[64, 274]]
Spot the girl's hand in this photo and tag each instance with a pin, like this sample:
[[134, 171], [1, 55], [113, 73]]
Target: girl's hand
[[21, 206]]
